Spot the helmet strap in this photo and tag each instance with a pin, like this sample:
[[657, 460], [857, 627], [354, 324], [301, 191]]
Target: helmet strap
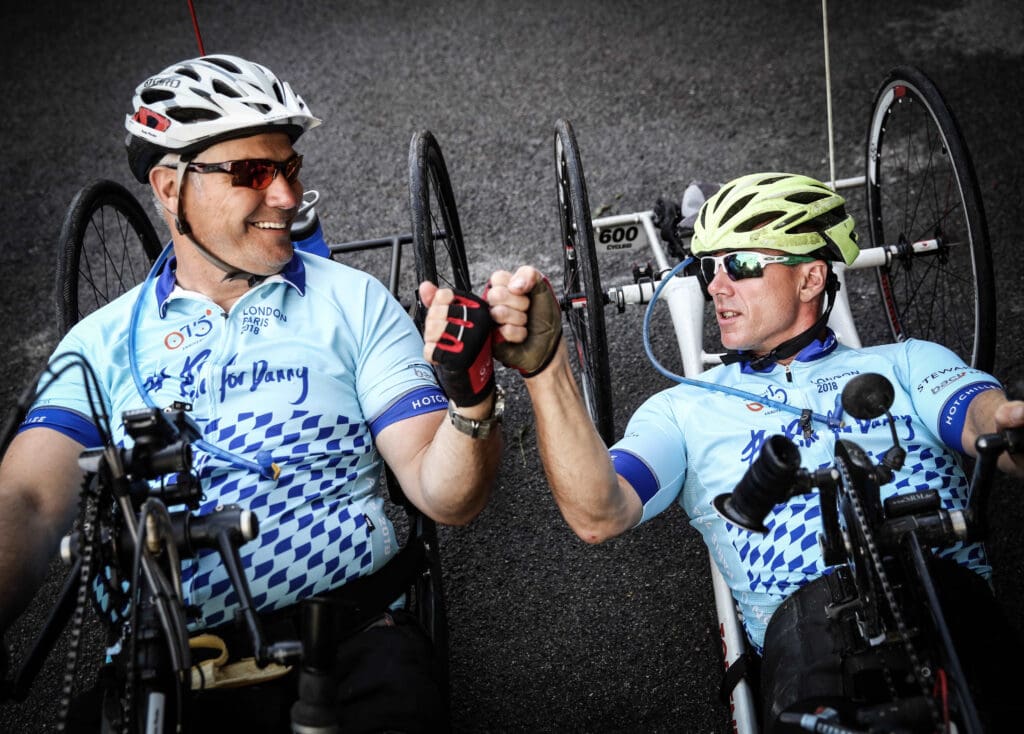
[[184, 228], [791, 346]]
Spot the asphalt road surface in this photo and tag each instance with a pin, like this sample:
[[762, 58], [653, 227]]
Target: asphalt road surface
[[547, 634]]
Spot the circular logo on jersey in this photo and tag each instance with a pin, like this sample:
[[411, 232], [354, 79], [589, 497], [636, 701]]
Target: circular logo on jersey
[[174, 340]]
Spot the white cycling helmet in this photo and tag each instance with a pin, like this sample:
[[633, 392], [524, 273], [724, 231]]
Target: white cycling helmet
[[196, 103]]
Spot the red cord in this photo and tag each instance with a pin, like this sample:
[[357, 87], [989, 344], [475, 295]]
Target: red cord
[[195, 27], [941, 690]]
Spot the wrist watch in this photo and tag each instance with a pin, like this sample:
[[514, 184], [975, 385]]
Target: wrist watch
[[480, 428]]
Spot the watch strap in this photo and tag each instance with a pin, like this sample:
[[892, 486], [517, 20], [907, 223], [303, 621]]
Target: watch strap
[[479, 428]]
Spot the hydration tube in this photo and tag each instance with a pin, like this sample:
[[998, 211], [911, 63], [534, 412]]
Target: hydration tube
[[265, 468], [831, 422]]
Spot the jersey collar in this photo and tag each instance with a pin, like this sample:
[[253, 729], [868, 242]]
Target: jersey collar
[[294, 274], [817, 349]]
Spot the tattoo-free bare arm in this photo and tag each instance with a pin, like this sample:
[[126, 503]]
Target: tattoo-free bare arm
[[39, 484]]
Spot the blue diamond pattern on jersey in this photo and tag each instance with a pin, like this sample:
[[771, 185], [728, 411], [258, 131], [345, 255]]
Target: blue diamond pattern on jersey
[[313, 537], [794, 526]]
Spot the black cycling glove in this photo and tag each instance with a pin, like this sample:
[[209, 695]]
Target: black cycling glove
[[463, 353]]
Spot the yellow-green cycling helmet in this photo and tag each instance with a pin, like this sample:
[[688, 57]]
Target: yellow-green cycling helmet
[[776, 211]]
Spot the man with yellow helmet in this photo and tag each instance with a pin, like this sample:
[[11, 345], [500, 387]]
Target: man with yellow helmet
[[764, 246]]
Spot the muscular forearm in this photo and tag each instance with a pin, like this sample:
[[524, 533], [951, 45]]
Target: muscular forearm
[[595, 502], [27, 545], [39, 481], [456, 471]]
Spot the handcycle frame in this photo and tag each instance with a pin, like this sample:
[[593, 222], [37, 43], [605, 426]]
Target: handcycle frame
[[907, 256], [105, 241], [877, 550]]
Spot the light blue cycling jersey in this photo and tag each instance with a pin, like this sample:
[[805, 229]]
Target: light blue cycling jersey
[[304, 371], [691, 444]]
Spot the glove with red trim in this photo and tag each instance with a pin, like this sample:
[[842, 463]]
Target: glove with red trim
[[463, 354], [543, 331]]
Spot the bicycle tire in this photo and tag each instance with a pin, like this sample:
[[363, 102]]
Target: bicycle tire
[[583, 300], [921, 184], [435, 220], [107, 244], [431, 604]]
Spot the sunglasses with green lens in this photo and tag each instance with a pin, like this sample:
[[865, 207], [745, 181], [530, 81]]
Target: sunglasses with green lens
[[745, 264]]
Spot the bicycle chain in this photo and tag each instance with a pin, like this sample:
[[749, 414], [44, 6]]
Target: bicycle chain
[[850, 489], [88, 512], [128, 692]]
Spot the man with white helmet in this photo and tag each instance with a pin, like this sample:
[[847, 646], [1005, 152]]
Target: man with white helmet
[[764, 244], [304, 377]]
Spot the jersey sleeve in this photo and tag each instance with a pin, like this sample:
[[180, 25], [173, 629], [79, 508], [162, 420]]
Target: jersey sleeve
[[393, 379], [651, 455], [942, 387], [63, 402]]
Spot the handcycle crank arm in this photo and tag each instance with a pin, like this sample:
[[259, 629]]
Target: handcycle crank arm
[[989, 447], [224, 530]]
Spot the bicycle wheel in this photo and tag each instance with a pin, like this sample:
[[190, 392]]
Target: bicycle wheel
[[921, 185], [583, 300], [437, 236], [107, 245]]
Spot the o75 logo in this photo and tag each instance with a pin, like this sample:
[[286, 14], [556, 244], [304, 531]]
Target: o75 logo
[[195, 330]]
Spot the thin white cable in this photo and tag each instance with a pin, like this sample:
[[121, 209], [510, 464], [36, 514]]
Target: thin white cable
[[828, 98]]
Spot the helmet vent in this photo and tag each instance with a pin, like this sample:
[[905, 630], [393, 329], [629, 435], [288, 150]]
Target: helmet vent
[[226, 89], [152, 96], [723, 195], [277, 93], [770, 180], [762, 219], [829, 219], [808, 197], [222, 63], [191, 114], [790, 219], [187, 71], [737, 207]]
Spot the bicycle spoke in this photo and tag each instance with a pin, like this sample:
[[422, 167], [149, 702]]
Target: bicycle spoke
[[921, 186]]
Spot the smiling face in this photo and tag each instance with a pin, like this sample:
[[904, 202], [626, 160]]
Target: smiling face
[[243, 226], [758, 314]]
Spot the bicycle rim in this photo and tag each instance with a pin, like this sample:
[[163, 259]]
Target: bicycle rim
[[582, 294], [921, 185], [437, 234]]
